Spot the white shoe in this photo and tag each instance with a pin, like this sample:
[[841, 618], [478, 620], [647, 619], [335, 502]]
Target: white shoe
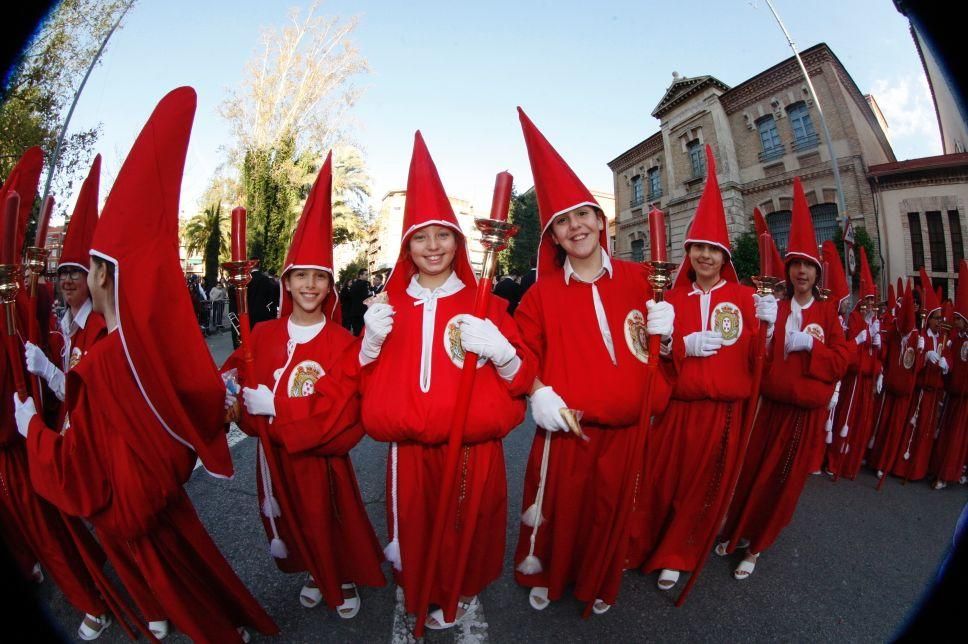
[[435, 620], [746, 567], [600, 607], [159, 628], [940, 485], [310, 595], [351, 606], [92, 626], [37, 573], [538, 598], [667, 579]]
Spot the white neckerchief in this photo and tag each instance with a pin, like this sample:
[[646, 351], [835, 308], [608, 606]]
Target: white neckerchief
[[705, 297], [596, 299], [428, 298], [934, 340], [795, 320], [69, 325]]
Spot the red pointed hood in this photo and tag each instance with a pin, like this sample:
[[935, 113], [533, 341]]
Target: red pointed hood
[[961, 296], [427, 204], [891, 298], [23, 180], [802, 243], [558, 190], [906, 318], [867, 286], [759, 222], [899, 291], [76, 250], [708, 227], [836, 278], [138, 233], [929, 299], [312, 243]]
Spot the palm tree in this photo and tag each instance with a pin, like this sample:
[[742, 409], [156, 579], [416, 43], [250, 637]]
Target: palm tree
[[207, 232], [351, 192]]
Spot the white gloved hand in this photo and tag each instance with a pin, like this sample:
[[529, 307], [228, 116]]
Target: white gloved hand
[[703, 344], [765, 308], [485, 339], [378, 321], [23, 412], [875, 328], [943, 363], [37, 363], [920, 343], [861, 337], [546, 406], [933, 357], [798, 341], [879, 386], [660, 318], [259, 402]]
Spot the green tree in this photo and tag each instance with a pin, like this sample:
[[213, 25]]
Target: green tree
[[524, 213], [351, 270], [208, 232], [351, 193], [746, 255]]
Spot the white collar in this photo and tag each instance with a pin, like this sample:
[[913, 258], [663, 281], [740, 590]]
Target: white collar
[[423, 294], [301, 334], [606, 268], [795, 306], [698, 291], [79, 321]]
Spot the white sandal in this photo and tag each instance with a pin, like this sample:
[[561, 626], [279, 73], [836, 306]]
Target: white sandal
[[159, 629], [600, 607], [538, 598], [435, 620], [720, 549], [244, 634], [667, 579], [37, 573], [310, 595], [746, 567], [92, 626], [350, 606]]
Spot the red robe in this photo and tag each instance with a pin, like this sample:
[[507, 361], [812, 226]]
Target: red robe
[[121, 471], [33, 529], [316, 425], [585, 479], [789, 427], [398, 408], [67, 351], [903, 364], [856, 406], [951, 448], [914, 454], [694, 445]]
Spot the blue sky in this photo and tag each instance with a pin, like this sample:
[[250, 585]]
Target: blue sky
[[589, 74]]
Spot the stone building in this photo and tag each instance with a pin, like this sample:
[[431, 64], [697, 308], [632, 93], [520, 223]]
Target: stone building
[[763, 132]]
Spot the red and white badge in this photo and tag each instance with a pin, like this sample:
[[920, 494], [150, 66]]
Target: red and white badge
[[636, 336], [727, 320], [303, 377]]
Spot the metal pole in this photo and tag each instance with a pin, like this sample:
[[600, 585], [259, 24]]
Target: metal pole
[[77, 95], [841, 205]]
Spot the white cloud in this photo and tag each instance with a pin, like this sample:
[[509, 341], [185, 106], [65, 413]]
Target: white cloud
[[912, 123]]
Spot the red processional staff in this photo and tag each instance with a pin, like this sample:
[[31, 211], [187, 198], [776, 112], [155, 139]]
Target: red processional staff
[[766, 284], [35, 265], [495, 231], [11, 273]]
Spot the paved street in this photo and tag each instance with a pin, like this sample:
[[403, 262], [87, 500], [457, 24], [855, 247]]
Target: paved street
[[848, 569]]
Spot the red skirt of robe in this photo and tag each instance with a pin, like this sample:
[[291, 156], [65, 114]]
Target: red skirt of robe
[[693, 447], [780, 457], [951, 448], [845, 455], [890, 432], [914, 453], [472, 552]]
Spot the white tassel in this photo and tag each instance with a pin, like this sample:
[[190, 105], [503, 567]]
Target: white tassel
[[907, 455], [530, 566], [270, 507], [870, 443], [830, 435], [392, 553], [530, 516], [843, 431], [277, 548]]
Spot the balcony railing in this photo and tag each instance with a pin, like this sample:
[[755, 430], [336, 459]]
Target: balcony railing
[[806, 143], [773, 153], [636, 201], [654, 196]]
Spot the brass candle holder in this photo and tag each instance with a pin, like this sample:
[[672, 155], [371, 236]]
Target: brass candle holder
[[495, 235], [35, 265], [660, 277], [239, 275], [766, 284], [10, 276]]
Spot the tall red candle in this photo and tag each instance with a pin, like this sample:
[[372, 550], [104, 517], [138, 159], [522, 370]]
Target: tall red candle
[[9, 253], [43, 222], [657, 235], [238, 235], [502, 196], [766, 255]]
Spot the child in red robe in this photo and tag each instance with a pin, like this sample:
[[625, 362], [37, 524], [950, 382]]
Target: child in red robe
[[805, 362], [587, 318], [308, 404], [695, 444], [951, 448], [412, 356], [145, 403]]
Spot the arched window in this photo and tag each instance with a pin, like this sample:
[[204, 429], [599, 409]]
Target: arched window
[[804, 136], [769, 138], [779, 225], [824, 217]]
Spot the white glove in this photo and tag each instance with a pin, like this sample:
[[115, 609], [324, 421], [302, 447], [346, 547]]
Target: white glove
[[798, 341], [231, 387], [875, 328], [879, 385], [659, 319], [703, 344], [943, 363], [546, 406], [920, 343], [834, 399], [485, 339], [861, 337], [378, 321], [933, 357], [765, 308], [39, 365], [23, 412], [259, 402]]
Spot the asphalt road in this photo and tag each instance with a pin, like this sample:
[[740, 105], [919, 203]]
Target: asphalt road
[[849, 568]]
